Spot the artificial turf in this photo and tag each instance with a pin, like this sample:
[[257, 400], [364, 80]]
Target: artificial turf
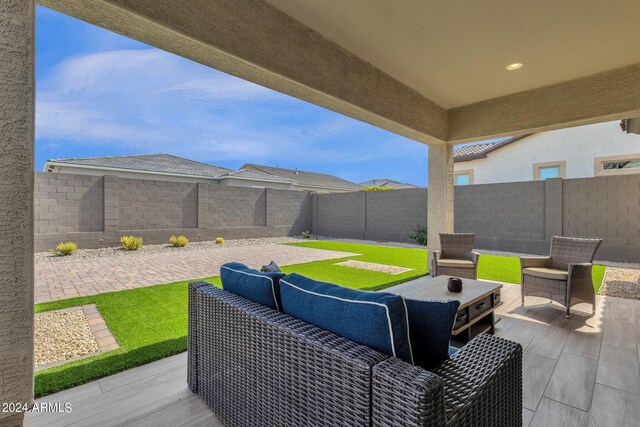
[[355, 278], [148, 323], [507, 269], [151, 323], [490, 267]]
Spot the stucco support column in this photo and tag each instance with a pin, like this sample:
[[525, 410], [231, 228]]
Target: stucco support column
[[439, 195], [17, 25]]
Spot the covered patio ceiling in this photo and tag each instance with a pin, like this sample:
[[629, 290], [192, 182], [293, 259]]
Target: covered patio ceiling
[[433, 71]]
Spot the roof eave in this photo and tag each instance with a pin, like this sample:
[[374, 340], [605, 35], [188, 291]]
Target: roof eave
[[244, 178], [117, 169], [469, 158]]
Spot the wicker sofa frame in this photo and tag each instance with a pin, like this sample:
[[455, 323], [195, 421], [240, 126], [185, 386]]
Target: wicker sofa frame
[[255, 366], [456, 246], [573, 255]]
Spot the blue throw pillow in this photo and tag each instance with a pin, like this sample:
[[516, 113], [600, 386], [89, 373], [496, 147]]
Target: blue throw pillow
[[271, 267], [375, 319], [257, 286], [430, 327]]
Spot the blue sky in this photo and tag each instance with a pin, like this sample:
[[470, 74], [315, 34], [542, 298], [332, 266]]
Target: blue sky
[[101, 94]]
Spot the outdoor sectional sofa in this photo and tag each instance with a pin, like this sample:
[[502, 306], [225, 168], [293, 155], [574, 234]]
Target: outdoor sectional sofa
[[256, 366]]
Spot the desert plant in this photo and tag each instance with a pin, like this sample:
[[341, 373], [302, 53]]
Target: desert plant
[[306, 235], [376, 188], [420, 235], [178, 241], [219, 240], [131, 243], [65, 249]]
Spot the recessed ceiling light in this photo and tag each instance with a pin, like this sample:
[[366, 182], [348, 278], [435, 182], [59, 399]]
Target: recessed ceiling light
[[514, 66]]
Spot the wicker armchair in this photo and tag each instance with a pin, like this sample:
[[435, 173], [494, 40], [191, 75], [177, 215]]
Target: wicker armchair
[[565, 275], [456, 256]]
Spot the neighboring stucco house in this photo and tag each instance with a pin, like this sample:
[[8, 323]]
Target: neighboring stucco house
[[389, 183], [304, 180], [579, 152], [172, 168]]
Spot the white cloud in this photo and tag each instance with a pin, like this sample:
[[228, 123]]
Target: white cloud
[[148, 100], [222, 87], [145, 71]]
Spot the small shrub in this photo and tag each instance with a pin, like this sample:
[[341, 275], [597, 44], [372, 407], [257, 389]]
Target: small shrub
[[306, 235], [65, 249], [178, 241], [220, 240], [420, 235], [131, 243], [376, 188]]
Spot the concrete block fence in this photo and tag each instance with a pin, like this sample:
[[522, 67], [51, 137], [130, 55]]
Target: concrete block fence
[[96, 211], [515, 217]]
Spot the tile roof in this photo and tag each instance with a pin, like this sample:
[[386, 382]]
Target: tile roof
[[164, 163], [384, 182], [479, 151], [305, 178]]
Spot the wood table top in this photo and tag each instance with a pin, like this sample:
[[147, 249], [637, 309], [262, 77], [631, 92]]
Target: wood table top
[[435, 288]]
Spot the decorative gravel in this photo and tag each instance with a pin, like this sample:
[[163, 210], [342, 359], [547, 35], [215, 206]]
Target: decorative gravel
[[62, 335], [372, 266], [43, 257], [621, 282]]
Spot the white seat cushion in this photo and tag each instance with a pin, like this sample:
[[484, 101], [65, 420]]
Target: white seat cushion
[[456, 263], [547, 273]]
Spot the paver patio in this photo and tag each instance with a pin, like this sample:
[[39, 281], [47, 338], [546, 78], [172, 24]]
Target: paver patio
[[91, 276], [584, 371]]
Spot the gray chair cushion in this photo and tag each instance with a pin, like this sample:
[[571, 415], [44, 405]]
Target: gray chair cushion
[[455, 263], [546, 273]]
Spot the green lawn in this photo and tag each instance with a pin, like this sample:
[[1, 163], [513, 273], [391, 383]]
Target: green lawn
[[507, 269], [491, 267], [415, 259], [151, 323]]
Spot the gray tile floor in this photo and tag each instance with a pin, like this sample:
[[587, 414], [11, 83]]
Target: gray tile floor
[[584, 371]]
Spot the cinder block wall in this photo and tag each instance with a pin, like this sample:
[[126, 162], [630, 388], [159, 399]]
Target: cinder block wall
[[157, 205], [514, 217], [68, 203], [370, 215], [288, 208], [96, 211], [338, 215], [608, 208], [227, 206], [505, 217]]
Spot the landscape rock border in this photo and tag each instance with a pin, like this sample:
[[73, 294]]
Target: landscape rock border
[[69, 334]]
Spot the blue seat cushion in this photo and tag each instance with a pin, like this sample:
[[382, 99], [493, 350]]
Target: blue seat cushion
[[375, 319], [258, 286], [430, 327], [453, 350]]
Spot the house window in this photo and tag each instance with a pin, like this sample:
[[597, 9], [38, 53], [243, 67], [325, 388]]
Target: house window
[[542, 171], [463, 177], [549, 172], [618, 165]]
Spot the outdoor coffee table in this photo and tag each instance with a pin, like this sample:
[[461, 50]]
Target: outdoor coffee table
[[478, 301]]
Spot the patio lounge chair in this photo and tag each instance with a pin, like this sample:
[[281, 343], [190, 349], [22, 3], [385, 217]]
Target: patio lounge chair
[[456, 256], [256, 366], [565, 275]]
